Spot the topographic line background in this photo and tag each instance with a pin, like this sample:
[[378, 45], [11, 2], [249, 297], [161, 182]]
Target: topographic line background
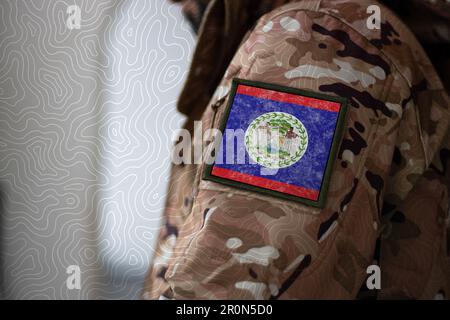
[[86, 118]]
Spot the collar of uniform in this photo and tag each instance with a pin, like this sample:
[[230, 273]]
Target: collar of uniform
[[224, 25]]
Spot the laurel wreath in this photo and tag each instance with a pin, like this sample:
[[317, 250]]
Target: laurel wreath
[[274, 116]]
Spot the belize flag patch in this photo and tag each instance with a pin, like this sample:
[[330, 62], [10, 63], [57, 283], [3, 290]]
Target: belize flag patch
[[279, 141]]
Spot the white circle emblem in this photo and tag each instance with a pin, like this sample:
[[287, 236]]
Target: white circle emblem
[[276, 140]]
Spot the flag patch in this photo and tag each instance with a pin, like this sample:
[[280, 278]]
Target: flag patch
[[279, 141]]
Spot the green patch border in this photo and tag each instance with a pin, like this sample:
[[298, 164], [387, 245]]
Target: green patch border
[[337, 137]]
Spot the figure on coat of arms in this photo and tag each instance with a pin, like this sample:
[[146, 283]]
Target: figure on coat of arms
[[289, 141]]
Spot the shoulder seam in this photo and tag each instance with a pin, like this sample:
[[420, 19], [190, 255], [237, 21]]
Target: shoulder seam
[[392, 63], [381, 51]]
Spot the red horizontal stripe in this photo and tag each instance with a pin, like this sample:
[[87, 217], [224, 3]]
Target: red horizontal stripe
[[265, 183], [289, 98]]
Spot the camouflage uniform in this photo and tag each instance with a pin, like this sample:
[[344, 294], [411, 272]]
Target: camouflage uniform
[[390, 180]]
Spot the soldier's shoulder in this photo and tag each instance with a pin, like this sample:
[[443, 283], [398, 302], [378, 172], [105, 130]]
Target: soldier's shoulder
[[390, 35]]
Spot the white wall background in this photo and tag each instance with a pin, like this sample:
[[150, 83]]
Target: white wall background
[[86, 118]]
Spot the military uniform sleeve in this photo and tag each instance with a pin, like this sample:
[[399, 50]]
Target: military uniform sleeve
[[238, 244], [414, 255]]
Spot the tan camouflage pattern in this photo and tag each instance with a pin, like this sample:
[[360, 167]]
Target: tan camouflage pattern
[[390, 179]]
